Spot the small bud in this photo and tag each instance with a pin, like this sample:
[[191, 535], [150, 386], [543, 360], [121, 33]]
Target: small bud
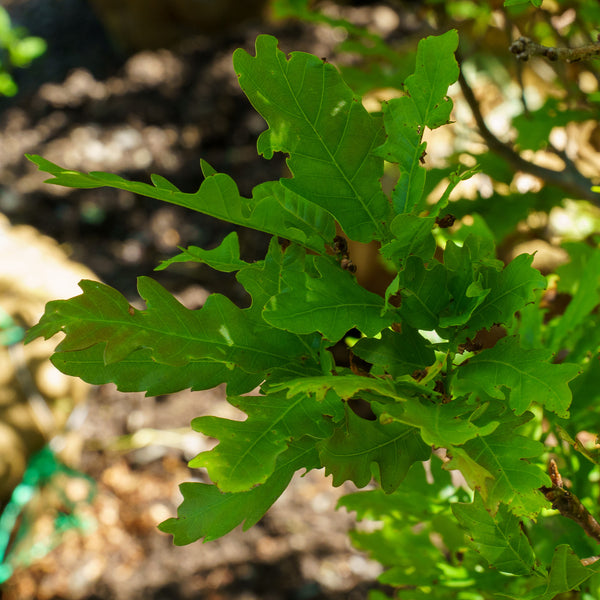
[[340, 245], [348, 265]]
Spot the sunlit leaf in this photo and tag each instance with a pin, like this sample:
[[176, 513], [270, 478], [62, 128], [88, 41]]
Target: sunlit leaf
[[329, 136], [209, 513], [522, 375], [248, 450]]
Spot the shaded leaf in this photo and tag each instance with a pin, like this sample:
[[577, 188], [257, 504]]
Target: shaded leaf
[[331, 304], [499, 538], [413, 236], [566, 573], [465, 278], [399, 353], [424, 293], [358, 445], [510, 289], [534, 127], [585, 299]]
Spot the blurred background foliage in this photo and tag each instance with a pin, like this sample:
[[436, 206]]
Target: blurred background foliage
[[17, 50]]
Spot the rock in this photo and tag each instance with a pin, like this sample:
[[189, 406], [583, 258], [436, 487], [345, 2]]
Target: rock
[[35, 398]]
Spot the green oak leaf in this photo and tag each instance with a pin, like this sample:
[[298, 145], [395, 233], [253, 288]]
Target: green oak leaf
[[272, 208], [218, 332], [139, 372], [424, 292], [441, 425], [208, 513], [225, 257], [412, 236], [566, 573], [345, 386], [315, 118], [510, 289], [358, 445], [534, 127], [247, 452], [497, 466], [398, 353], [585, 298], [416, 500], [331, 304], [425, 105], [500, 539], [527, 375], [465, 280]]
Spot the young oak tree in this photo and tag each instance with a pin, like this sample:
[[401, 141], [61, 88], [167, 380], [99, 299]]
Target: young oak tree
[[440, 401]]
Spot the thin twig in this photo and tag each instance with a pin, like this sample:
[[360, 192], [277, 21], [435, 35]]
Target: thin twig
[[569, 179], [523, 48], [568, 505]]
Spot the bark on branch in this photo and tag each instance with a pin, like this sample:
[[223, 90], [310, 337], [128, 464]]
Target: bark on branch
[[569, 505], [569, 179], [523, 48]]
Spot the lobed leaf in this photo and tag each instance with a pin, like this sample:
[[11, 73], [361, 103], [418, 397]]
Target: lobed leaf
[[272, 208], [441, 425], [465, 279], [417, 500], [329, 136], [224, 258], [527, 375], [358, 445], [424, 293], [139, 372], [566, 573], [584, 300], [247, 452], [331, 304], [413, 237], [219, 332], [424, 105], [497, 466], [398, 353], [209, 513], [345, 386], [510, 289], [499, 538]]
